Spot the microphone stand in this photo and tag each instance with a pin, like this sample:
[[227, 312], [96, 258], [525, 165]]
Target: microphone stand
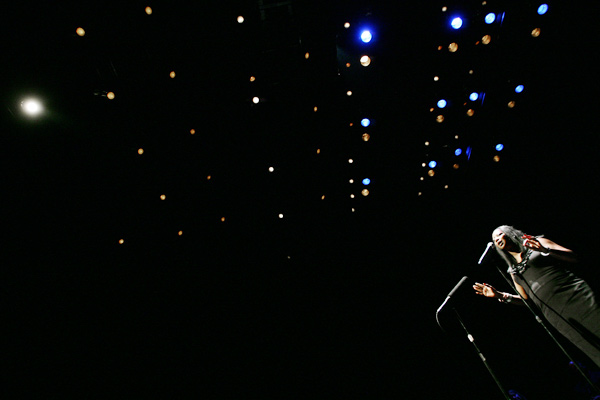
[[480, 354], [541, 322], [469, 336]]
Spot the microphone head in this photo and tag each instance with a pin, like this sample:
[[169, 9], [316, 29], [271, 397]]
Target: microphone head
[[485, 253]]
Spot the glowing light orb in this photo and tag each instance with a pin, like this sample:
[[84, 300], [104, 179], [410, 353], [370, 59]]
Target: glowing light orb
[[456, 23], [366, 36], [431, 172], [490, 18], [148, 10], [436, 78], [486, 39], [307, 55], [252, 78], [121, 241], [180, 233], [350, 161], [519, 89], [439, 119], [365, 61], [365, 192], [32, 107], [349, 93], [172, 74], [255, 100], [536, 32], [192, 131], [347, 25], [240, 19], [474, 96], [499, 147], [543, 9], [140, 151], [457, 152], [453, 47], [80, 31], [163, 197], [432, 164], [366, 181], [511, 104], [496, 158], [442, 103], [110, 95], [271, 169], [280, 216], [365, 122], [470, 112], [366, 137]]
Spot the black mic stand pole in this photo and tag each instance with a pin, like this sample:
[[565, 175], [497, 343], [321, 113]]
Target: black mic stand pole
[[469, 336], [480, 354], [541, 322]]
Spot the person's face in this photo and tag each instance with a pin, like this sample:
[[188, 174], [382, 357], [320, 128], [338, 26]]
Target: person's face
[[501, 240]]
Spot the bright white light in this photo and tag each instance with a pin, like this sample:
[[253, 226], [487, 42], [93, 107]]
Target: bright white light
[[366, 36], [32, 107], [456, 23], [255, 100], [474, 96], [442, 103]]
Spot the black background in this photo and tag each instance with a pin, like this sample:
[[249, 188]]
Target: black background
[[325, 302]]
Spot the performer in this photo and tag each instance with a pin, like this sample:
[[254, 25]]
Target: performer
[[537, 267]]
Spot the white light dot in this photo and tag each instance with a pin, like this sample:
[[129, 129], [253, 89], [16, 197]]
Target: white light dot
[[351, 181], [350, 161], [240, 19], [347, 25], [280, 215], [271, 169], [31, 106], [255, 100], [351, 196], [365, 61], [349, 93], [436, 78]]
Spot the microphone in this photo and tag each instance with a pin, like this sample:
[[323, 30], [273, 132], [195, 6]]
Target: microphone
[[458, 285], [487, 249]]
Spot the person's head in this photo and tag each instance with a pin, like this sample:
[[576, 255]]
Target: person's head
[[508, 239]]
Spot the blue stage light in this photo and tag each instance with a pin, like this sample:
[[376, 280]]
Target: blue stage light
[[543, 9], [365, 122], [366, 181], [490, 18], [456, 23], [442, 103], [499, 147], [366, 36], [474, 96], [457, 152], [432, 164], [519, 88]]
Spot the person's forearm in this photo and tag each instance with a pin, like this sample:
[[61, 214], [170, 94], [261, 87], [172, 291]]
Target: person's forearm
[[567, 256], [509, 298]]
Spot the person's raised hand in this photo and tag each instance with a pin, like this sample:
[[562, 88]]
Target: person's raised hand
[[485, 290]]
